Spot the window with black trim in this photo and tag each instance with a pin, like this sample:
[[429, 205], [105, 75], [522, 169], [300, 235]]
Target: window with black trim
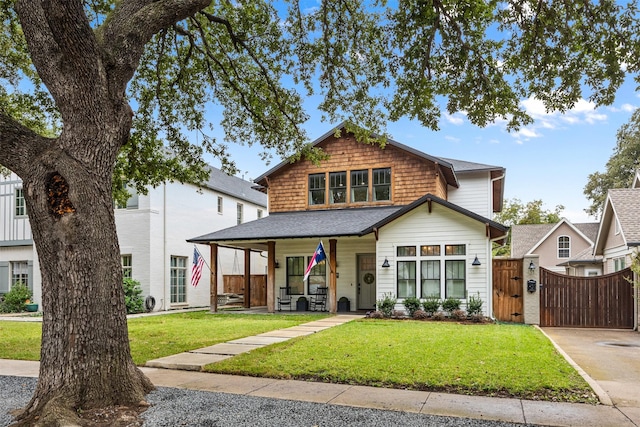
[[295, 275], [317, 188], [406, 280], [381, 184], [337, 187], [455, 283], [360, 186], [317, 277]]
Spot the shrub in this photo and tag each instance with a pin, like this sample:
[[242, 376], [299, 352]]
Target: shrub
[[451, 304], [420, 315], [431, 305], [474, 305], [411, 304], [387, 304], [439, 316], [133, 296], [16, 299]]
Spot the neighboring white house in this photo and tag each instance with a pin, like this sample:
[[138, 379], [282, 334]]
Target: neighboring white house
[[152, 232]]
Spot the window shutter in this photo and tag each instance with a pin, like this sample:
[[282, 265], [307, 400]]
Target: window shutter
[[4, 277]]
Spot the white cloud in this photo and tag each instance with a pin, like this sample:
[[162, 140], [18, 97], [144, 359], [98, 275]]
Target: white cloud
[[451, 138], [455, 118]]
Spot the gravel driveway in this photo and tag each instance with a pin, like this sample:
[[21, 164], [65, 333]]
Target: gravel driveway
[[173, 407]]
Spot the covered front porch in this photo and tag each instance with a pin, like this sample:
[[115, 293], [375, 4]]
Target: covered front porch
[[349, 272]]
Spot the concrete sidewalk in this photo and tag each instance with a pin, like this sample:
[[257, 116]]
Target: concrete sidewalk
[[477, 407]]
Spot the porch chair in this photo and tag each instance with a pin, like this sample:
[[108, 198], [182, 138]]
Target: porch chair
[[284, 299], [319, 300]]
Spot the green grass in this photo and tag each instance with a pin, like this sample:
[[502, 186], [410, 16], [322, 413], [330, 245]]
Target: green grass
[[495, 360], [483, 359], [158, 336]]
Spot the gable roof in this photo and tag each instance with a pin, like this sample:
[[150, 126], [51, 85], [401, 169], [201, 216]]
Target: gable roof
[[623, 204], [236, 187], [525, 238], [446, 167], [344, 222]]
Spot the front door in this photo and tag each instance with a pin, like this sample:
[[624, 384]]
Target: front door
[[366, 281]]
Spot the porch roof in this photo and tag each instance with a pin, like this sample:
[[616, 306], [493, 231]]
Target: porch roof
[[334, 223], [302, 224]]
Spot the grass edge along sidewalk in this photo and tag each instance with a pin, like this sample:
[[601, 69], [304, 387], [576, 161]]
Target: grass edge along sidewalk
[[491, 360]]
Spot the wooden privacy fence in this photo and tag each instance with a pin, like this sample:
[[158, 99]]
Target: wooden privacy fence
[[234, 284], [586, 302]]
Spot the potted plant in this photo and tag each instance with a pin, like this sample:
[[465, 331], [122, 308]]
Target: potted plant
[[344, 304], [302, 304]]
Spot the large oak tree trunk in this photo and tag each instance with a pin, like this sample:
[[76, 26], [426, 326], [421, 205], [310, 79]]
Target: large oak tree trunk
[[85, 358]]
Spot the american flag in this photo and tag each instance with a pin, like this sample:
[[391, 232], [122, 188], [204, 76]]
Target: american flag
[[196, 268]]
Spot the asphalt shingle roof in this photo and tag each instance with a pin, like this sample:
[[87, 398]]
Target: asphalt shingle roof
[[300, 224], [525, 236], [626, 204], [235, 187]]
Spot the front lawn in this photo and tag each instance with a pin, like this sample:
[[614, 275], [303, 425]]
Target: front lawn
[[493, 359], [152, 337]]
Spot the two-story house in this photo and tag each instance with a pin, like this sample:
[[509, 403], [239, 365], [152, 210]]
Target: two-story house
[[393, 220], [152, 231]]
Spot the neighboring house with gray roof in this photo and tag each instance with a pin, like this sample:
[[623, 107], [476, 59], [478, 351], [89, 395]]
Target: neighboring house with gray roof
[[619, 233], [393, 220], [152, 231], [563, 247]]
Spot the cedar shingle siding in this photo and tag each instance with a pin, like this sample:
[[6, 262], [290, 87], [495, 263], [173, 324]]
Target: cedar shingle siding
[[411, 176]]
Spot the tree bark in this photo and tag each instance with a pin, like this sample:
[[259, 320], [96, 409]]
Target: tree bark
[[85, 360]]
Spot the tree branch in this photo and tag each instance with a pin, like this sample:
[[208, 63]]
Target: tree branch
[[19, 145], [132, 24]]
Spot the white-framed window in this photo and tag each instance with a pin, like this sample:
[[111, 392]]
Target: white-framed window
[[20, 273], [239, 213], [127, 266], [433, 261], [260, 213], [564, 247], [619, 264], [220, 205], [21, 206], [178, 280]]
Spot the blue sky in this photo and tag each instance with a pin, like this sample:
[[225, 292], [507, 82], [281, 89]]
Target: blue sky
[[549, 160]]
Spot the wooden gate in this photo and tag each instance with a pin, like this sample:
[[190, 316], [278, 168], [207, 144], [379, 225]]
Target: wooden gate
[[508, 303], [586, 302], [234, 284]]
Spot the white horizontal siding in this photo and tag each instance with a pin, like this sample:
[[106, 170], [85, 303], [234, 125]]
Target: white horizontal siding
[[440, 227], [474, 193]]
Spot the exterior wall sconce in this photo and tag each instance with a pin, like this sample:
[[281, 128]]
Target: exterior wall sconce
[[386, 264], [476, 261], [276, 264], [532, 266]]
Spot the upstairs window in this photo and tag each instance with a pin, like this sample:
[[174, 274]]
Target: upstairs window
[[360, 186], [21, 207], [381, 184], [337, 187], [564, 248], [220, 205], [317, 183], [259, 213], [240, 215]]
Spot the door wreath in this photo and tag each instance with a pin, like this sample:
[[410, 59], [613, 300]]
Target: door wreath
[[368, 278]]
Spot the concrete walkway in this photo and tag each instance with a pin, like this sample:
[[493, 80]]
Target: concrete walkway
[[194, 360]]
